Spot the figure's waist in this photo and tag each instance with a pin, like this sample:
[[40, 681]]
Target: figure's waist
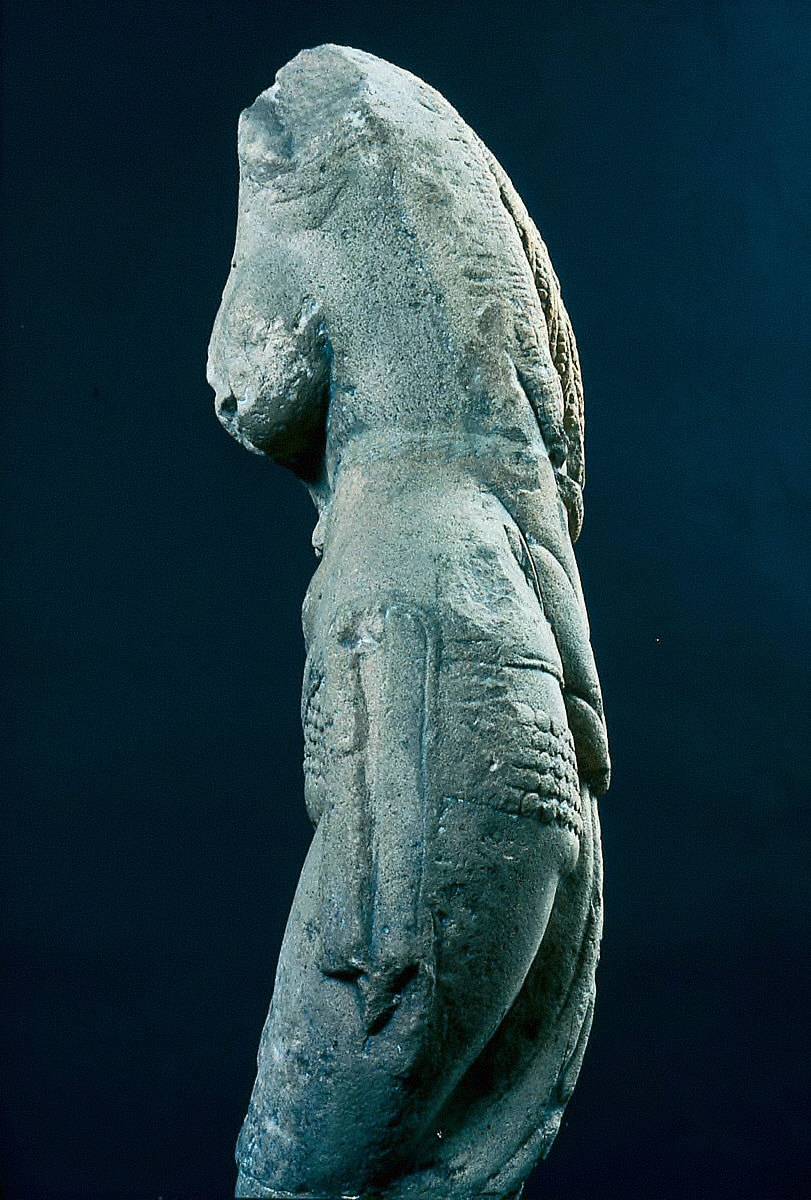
[[378, 450]]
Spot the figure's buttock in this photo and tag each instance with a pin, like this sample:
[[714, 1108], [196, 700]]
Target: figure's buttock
[[503, 739]]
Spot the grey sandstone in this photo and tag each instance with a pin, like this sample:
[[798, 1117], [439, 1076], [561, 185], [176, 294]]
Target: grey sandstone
[[393, 332]]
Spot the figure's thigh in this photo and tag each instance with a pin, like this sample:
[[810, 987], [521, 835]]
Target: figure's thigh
[[335, 1107]]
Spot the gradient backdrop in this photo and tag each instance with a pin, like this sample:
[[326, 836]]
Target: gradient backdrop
[[153, 819]]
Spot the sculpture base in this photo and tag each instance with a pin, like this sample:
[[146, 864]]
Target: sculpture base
[[251, 1189]]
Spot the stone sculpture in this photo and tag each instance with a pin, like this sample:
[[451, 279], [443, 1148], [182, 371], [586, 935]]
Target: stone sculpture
[[393, 332]]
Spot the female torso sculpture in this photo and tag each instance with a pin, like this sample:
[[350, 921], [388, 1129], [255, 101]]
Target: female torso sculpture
[[392, 331]]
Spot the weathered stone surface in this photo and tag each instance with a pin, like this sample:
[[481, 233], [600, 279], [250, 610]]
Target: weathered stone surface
[[392, 331]]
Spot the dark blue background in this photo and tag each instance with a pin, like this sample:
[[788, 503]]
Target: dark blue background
[[154, 826]]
